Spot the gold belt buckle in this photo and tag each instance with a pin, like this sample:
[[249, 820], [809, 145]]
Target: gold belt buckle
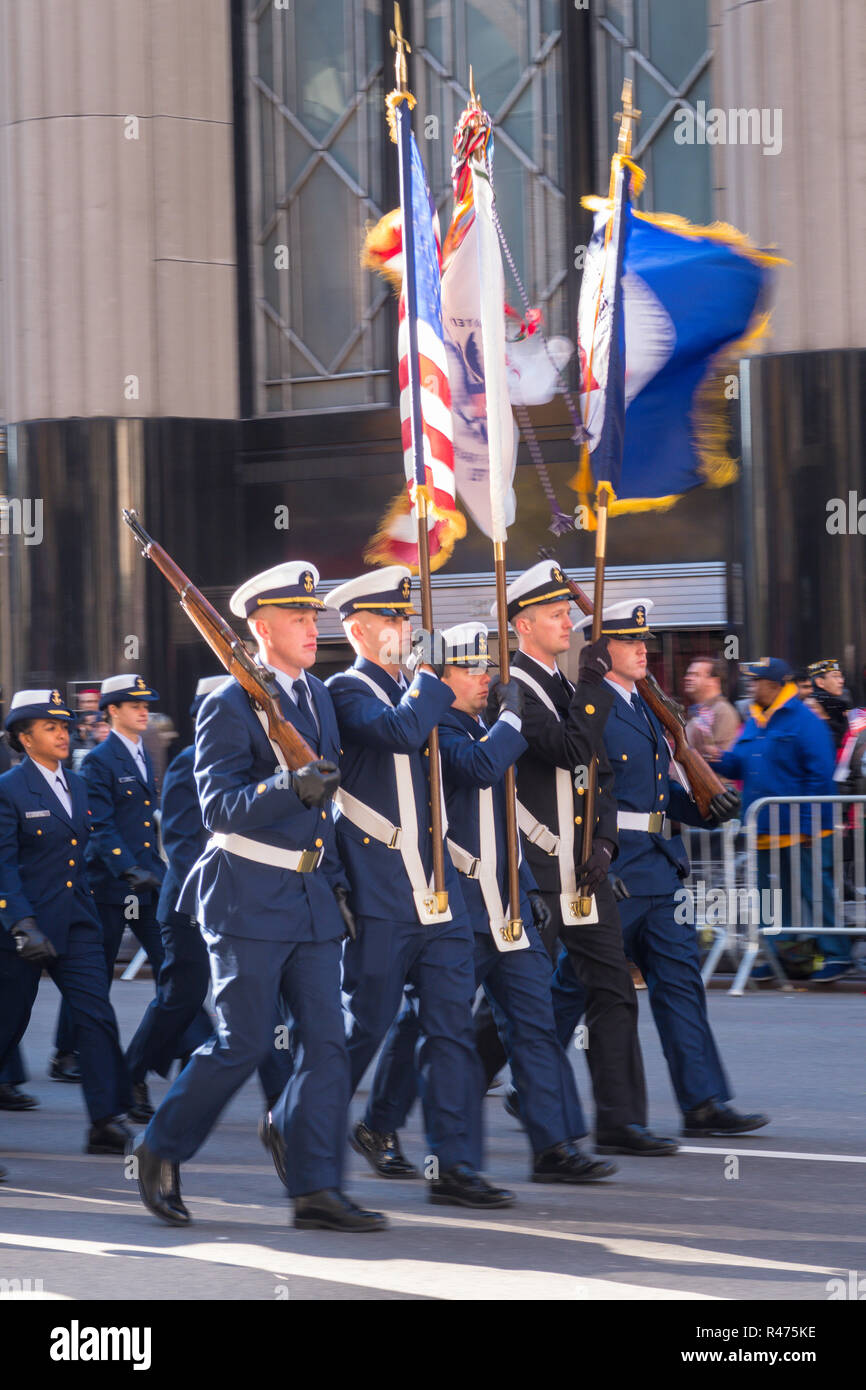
[[394, 842], [656, 822], [309, 860]]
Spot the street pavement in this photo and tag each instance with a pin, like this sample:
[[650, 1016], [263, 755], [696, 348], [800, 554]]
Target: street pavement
[[774, 1216]]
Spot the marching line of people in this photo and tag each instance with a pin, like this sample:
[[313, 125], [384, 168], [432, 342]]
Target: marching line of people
[[306, 898]]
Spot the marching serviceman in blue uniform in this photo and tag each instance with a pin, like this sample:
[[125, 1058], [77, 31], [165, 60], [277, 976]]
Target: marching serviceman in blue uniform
[[660, 942], [123, 862], [174, 1023], [563, 726], [384, 832], [47, 909], [270, 894], [515, 975]]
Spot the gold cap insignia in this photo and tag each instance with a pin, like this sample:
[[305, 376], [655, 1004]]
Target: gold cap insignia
[[640, 616], [482, 644], [55, 698], [558, 575], [405, 587], [139, 683], [309, 583]]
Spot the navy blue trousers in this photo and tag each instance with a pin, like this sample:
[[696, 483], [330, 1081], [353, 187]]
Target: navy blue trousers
[[252, 980], [149, 935], [174, 1022], [666, 953], [438, 962], [12, 1071], [79, 974], [517, 984]]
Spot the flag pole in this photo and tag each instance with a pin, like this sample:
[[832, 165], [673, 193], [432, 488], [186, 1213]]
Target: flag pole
[[627, 118], [400, 103], [493, 349]]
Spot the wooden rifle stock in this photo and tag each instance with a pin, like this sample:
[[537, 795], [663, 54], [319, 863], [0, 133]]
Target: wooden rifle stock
[[704, 783], [258, 682]]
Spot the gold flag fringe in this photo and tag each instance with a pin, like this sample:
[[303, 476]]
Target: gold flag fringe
[[392, 101], [714, 231], [452, 528]]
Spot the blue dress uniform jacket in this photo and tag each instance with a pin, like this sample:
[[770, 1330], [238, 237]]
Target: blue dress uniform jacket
[[242, 791], [124, 830], [474, 757], [183, 833], [42, 854], [370, 734], [43, 875], [640, 758]]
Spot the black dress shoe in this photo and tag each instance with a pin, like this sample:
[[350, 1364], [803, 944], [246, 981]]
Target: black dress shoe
[[330, 1210], [511, 1105], [275, 1145], [636, 1140], [64, 1067], [712, 1118], [382, 1152], [565, 1163], [13, 1099], [159, 1184], [109, 1136], [461, 1186], [141, 1109]]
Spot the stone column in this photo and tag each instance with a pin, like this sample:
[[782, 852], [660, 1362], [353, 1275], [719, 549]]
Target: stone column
[[117, 248]]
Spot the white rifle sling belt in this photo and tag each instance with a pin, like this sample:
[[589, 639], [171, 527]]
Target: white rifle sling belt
[[402, 837], [561, 845], [483, 869]]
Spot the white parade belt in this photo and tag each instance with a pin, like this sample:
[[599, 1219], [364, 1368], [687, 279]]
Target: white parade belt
[[483, 870], [368, 820], [651, 821], [301, 861]]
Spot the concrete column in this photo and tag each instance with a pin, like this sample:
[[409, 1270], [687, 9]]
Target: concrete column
[[116, 209], [805, 60]]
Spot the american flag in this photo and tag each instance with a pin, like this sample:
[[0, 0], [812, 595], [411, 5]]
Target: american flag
[[437, 445]]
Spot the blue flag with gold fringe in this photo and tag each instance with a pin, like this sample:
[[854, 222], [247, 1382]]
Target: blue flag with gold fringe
[[685, 303]]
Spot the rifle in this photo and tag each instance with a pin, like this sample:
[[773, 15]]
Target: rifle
[[703, 782], [256, 680]]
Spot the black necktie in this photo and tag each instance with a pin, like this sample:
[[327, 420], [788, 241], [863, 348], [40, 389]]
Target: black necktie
[[303, 699], [638, 707]]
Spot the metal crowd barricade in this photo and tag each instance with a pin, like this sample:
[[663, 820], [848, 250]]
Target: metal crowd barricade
[[725, 862]]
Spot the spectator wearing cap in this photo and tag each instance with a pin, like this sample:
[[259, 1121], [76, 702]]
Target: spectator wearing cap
[[47, 912], [123, 861], [785, 750], [828, 683]]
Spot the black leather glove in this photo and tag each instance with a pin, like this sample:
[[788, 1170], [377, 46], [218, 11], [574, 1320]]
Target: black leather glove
[[724, 806], [541, 913], [428, 649], [141, 880], [619, 889], [509, 697], [592, 873], [594, 662], [30, 943], [317, 782], [348, 916]]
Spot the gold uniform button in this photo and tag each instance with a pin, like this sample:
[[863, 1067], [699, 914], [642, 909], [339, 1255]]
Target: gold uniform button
[[414, 694], [366, 839], [581, 790], [660, 777], [73, 842], [590, 709], [578, 820], [72, 863], [115, 851], [147, 822], [262, 787], [661, 798], [625, 757], [426, 752], [147, 803], [324, 815], [39, 832], [657, 757], [147, 844], [2, 902], [129, 793], [319, 844], [484, 738], [68, 883]]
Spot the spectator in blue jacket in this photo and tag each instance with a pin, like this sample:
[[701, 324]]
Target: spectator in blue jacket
[[786, 750]]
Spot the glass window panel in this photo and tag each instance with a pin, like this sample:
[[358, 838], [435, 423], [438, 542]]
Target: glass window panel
[[682, 174], [678, 35], [297, 152], [266, 48], [649, 98], [318, 54], [329, 246], [494, 29]]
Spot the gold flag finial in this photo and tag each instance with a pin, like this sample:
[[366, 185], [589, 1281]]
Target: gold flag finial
[[627, 119], [399, 42], [474, 98]]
